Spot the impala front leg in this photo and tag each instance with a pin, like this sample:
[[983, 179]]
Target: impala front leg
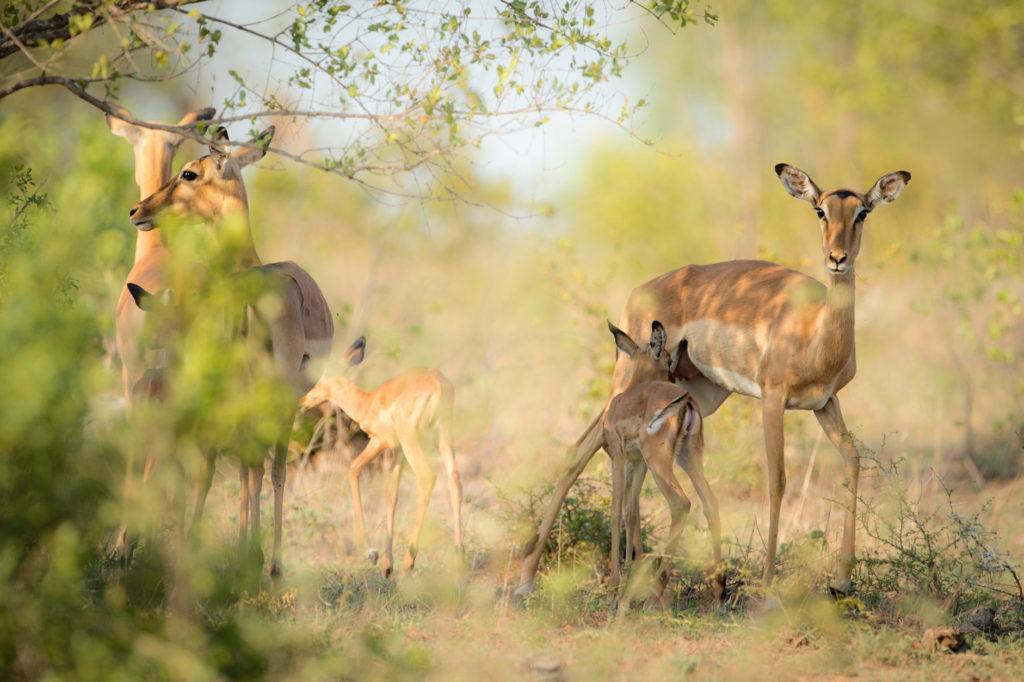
[[243, 509], [773, 408], [372, 449], [390, 506], [203, 489], [831, 419]]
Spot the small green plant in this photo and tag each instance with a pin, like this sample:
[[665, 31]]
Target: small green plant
[[932, 559]]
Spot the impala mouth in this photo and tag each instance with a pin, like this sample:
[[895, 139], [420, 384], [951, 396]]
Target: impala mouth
[[143, 225], [837, 269]]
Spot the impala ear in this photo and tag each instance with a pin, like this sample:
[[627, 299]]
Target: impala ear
[[246, 155], [147, 301], [357, 351], [216, 145], [659, 337], [191, 118], [798, 183], [622, 341], [204, 114], [139, 295], [121, 127], [887, 189]]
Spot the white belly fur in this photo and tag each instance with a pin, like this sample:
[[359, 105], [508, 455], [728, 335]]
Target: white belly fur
[[712, 333], [734, 381]]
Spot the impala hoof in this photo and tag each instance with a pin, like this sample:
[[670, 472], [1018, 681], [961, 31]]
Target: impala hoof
[[372, 555], [523, 591], [275, 571], [841, 589]]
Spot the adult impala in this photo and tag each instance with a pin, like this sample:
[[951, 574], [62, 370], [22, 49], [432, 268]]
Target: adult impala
[[153, 152], [298, 330], [761, 330]]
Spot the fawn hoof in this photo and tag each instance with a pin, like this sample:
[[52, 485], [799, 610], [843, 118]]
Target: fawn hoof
[[372, 555]]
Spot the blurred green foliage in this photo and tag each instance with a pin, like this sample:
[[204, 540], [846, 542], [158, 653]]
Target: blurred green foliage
[[514, 312]]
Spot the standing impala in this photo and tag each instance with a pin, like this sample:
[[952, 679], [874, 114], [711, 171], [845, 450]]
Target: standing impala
[[657, 423], [761, 330], [153, 153], [297, 329], [396, 415]]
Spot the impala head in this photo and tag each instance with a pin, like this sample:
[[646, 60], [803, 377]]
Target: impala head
[[841, 211], [321, 393], [652, 360], [208, 188], [154, 149]]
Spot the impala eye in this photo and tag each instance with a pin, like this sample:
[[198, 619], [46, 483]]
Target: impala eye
[[188, 176], [821, 214], [861, 216]]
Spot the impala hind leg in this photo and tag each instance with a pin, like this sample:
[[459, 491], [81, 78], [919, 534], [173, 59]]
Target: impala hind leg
[[636, 471], [256, 473], [444, 445], [425, 480], [278, 474], [694, 466], [588, 444], [773, 408], [615, 452], [390, 506], [679, 507], [369, 453], [830, 417]]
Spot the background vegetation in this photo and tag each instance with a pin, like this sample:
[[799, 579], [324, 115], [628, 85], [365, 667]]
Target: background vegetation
[[506, 292]]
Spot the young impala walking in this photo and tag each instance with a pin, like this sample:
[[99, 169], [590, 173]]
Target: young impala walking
[[398, 414]]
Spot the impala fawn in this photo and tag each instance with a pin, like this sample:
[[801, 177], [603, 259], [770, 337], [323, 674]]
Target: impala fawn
[[396, 415], [652, 425]]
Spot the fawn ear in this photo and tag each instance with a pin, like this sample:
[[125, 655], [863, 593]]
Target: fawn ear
[[798, 183], [357, 351], [622, 341], [659, 337], [246, 155], [887, 189]]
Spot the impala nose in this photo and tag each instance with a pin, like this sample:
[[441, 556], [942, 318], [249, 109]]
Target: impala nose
[[132, 211], [836, 261]]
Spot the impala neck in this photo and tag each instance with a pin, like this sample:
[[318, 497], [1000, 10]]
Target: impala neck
[[153, 159], [351, 399], [834, 336]]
